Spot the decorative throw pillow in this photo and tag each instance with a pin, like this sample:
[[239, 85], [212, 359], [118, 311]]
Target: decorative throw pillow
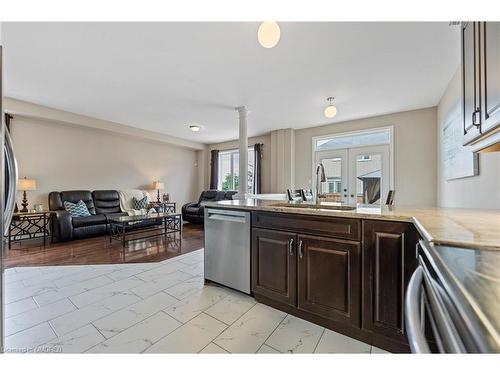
[[77, 209], [140, 204]]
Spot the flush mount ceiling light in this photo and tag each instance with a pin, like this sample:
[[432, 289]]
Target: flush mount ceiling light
[[269, 34], [330, 110], [195, 128]]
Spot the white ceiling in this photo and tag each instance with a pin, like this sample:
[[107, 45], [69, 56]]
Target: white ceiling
[[165, 76]]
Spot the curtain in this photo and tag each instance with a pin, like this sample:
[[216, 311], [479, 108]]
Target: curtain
[[257, 168], [214, 169]]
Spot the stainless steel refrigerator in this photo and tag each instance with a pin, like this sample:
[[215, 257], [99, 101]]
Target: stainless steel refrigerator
[[8, 189]]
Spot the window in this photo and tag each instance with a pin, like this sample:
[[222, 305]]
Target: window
[[334, 184], [365, 138], [364, 158], [229, 163]]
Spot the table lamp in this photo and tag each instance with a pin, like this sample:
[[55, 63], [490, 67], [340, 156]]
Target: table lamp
[[158, 185], [25, 185]]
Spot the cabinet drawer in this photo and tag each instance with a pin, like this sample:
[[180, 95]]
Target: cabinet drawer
[[349, 229]]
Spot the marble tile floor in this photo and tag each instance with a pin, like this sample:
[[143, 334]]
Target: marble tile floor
[[161, 307]]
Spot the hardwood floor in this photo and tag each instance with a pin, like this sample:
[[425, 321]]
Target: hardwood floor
[[98, 250]]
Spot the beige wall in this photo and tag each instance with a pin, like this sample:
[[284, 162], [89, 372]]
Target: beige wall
[[61, 156], [414, 147], [282, 160], [482, 191], [266, 159]]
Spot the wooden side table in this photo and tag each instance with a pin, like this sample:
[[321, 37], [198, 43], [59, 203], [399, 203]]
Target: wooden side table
[[27, 225]]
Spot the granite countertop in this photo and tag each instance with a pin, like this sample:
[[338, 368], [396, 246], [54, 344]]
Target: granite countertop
[[470, 228]]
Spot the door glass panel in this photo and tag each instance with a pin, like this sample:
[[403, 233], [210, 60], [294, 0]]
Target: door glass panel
[[332, 188], [368, 178]]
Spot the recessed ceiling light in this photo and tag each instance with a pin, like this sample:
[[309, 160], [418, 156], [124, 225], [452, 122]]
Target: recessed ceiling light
[[195, 128], [269, 34], [330, 110]]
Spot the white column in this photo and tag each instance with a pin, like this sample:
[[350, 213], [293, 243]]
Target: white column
[[243, 142]]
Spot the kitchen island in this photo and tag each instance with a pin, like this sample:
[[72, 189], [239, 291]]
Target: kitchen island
[[348, 269]]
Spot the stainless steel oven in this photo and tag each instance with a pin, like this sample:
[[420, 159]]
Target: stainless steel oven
[[452, 301]]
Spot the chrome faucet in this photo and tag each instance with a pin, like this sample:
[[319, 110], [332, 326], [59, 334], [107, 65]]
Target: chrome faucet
[[322, 178]]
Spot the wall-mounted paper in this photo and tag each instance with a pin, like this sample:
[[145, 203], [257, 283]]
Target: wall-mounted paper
[[458, 161]]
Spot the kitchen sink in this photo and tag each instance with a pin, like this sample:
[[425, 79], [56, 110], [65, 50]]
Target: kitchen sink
[[323, 206]]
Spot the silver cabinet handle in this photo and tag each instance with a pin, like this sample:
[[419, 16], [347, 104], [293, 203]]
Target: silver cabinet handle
[[414, 329], [290, 247], [11, 166], [301, 253]]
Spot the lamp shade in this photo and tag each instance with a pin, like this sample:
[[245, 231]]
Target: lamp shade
[[25, 184], [158, 185]]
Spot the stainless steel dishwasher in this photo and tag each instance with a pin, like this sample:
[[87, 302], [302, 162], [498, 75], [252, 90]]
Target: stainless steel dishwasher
[[227, 248]]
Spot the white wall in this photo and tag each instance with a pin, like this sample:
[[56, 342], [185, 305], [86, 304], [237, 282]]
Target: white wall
[[62, 156], [414, 147], [482, 191]]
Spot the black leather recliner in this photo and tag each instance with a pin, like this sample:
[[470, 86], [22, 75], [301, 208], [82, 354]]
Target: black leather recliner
[[64, 227], [107, 203], [102, 204], [193, 211]]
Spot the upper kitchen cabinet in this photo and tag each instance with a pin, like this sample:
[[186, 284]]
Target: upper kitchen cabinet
[[481, 84], [471, 82], [490, 41]]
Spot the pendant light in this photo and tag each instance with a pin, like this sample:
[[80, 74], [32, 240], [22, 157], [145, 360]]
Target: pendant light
[[330, 110], [268, 34]]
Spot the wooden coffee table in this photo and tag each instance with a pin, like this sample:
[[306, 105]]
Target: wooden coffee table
[[123, 228]]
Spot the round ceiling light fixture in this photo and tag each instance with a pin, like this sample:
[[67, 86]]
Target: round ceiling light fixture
[[330, 110], [195, 128], [269, 34]]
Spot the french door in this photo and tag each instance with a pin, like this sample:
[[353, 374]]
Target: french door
[[356, 175], [336, 187]]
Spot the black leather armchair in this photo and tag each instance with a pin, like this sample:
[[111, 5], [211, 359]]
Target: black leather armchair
[[193, 211]]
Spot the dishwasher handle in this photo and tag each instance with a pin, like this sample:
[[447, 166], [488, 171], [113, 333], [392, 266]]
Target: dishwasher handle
[[227, 215]]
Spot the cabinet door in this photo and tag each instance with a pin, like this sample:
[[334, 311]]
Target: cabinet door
[[490, 42], [329, 278], [274, 267], [389, 259], [471, 92]]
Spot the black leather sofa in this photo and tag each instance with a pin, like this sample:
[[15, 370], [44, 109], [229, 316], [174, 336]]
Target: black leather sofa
[[193, 211], [102, 205]]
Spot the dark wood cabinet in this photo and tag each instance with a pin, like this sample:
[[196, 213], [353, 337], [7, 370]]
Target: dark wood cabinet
[[480, 83], [355, 286], [389, 260], [471, 81], [274, 265], [490, 45], [329, 278]]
